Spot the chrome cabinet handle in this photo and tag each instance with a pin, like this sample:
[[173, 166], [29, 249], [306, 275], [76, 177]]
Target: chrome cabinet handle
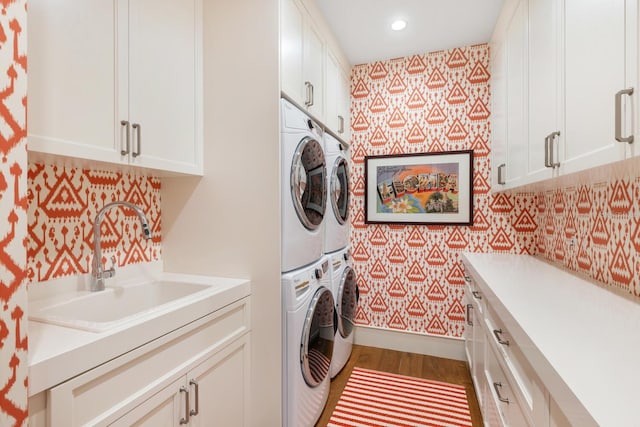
[[125, 125], [618, 130], [547, 161], [552, 138], [497, 333], [469, 321], [309, 101], [476, 294], [548, 150], [136, 128], [195, 411], [340, 124], [501, 174], [497, 386], [187, 414]]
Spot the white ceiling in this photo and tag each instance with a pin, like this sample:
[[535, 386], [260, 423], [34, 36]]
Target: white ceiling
[[363, 27]]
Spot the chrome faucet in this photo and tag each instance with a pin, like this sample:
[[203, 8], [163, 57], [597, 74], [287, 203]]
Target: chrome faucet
[[98, 272]]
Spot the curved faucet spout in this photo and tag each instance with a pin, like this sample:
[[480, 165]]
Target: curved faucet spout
[[98, 272]]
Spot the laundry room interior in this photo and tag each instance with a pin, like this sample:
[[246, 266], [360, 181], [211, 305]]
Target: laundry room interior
[[319, 213]]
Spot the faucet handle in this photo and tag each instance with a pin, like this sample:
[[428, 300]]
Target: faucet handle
[[111, 271]]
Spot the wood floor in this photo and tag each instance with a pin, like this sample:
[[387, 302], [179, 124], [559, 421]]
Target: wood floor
[[411, 364]]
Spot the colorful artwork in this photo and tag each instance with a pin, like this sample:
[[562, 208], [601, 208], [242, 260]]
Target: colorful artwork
[[430, 189], [420, 188]]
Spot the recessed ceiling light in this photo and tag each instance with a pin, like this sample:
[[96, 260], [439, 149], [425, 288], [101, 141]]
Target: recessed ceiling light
[[399, 25]]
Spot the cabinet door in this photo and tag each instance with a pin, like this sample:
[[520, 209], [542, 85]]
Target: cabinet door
[[499, 111], [332, 89], [292, 18], [516, 94], [222, 384], [344, 106], [313, 69], [162, 409], [72, 79], [544, 95], [594, 59], [164, 84]]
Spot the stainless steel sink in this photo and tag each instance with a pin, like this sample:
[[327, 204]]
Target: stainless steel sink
[[99, 311]]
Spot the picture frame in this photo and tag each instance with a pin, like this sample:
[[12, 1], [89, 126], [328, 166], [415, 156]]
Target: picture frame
[[420, 188]]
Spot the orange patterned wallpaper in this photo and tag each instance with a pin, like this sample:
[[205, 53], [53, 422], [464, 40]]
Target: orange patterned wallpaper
[[593, 228], [63, 203], [13, 214], [409, 276]]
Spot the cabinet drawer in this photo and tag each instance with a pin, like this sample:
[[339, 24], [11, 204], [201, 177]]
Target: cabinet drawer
[[509, 350], [473, 293], [98, 396], [502, 403]]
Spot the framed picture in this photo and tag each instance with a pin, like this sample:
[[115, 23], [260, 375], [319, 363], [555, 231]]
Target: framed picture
[[423, 188]]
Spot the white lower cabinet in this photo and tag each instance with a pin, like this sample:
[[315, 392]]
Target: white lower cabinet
[[197, 375], [213, 393], [508, 390]]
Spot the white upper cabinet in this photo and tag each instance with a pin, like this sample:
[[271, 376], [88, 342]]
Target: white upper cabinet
[[580, 83], [117, 81], [509, 96], [313, 71], [292, 21], [544, 93], [72, 79], [302, 58], [164, 85], [595, 57], [338, 97], [313, 68]]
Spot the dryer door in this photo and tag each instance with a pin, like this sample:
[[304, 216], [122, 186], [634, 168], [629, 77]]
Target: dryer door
[[317, 338], [339, 189], [308, 183], [347, 302]]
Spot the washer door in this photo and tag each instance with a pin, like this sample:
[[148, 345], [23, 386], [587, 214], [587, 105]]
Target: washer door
[[347, 302], [308, 183], [317, 338], [339, 189]]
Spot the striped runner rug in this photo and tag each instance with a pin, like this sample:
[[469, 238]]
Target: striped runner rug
[[379, 399]]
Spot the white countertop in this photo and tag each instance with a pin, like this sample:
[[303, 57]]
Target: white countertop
[[582, 340], [58, 353]]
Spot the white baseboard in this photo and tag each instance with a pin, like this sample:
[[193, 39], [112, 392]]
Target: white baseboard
[[450, 348]]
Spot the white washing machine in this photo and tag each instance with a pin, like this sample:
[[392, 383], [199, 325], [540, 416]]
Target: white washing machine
[[308, 337], [304, 192], [336, 231], [346, 296]]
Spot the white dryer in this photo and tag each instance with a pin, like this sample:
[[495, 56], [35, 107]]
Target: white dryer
[[308, 336], [304, 192], [346, 295], [336, 235]]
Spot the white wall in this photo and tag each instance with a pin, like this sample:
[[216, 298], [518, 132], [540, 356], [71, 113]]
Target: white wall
[[228, 222]]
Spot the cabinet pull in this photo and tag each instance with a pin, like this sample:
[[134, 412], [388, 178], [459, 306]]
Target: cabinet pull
[[497, 386], [195, 411], [552, 138], [340, 124], [547, 161], [619, 137], [127, 138], [187, 414], [476, 294], [469, 321], [497, 333], [136, 129], [309, 101], [500, 174], [548, 150]]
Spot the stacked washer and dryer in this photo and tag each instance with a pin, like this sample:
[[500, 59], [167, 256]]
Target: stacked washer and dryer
[[317, 322]]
